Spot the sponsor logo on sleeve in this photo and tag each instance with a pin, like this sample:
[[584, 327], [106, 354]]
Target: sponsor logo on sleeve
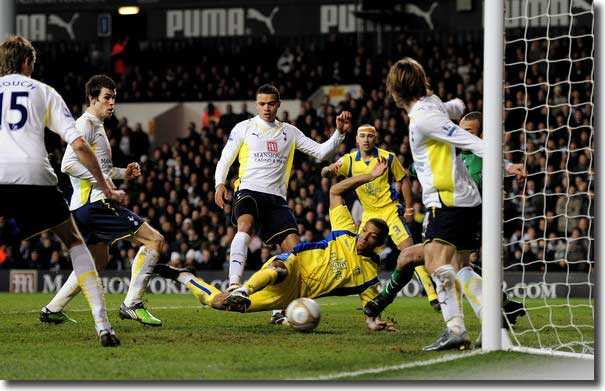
[[449, 128]]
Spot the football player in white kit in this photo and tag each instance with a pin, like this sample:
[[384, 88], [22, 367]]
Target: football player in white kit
[[101, 221], [28, 184], [265, 149], [451, 197]]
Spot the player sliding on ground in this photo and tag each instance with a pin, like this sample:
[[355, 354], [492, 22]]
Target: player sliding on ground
[[380, 198], [343, 264], [101, 221]]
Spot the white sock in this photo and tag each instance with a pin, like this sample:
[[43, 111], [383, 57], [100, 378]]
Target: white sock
[[88, 279], [142, 266], [185, 277], [68, 291], [471, 286], [449, 294], [239, 253]]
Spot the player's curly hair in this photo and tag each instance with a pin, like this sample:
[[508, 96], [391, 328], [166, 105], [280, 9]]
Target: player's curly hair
[[407, 81], [382, 227], [13, 52]]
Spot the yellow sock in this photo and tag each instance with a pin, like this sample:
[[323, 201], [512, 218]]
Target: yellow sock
[[204, 292], [427, 283], [261, 279]]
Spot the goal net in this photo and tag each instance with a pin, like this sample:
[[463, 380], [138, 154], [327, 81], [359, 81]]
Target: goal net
[[548, 220]]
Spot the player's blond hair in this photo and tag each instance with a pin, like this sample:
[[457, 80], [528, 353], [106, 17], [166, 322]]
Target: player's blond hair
[[13, 52], [407, 81]]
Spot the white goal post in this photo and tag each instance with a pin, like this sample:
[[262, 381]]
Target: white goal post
[[538, 110]]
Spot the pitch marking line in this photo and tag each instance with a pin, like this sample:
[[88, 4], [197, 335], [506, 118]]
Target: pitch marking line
[[414, 364], [117, 308]]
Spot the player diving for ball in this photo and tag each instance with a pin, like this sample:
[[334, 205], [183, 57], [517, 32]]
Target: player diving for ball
[[380, 197], [345, 263]]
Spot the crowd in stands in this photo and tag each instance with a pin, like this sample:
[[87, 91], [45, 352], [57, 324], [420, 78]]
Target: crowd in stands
[[548, 218]]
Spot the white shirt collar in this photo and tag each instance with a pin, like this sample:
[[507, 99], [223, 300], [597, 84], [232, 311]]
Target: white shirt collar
[[93, 118]]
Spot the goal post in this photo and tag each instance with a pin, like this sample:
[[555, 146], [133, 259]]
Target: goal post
[[538, 234], [493, 71]]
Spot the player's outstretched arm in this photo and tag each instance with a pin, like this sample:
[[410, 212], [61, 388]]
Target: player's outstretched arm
[[340, 188], [327, 148], [87, 157], [332, 170], [343, 122], [516, 169], [377, 324]]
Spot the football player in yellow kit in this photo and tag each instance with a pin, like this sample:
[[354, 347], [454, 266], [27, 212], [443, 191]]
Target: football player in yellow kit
[[345, 263], [380, 199]]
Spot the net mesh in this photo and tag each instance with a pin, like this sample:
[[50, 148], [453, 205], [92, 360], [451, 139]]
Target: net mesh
[[548, 218]]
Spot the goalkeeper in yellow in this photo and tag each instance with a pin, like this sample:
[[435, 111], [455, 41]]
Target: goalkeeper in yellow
[[345, 263], [380, 199]]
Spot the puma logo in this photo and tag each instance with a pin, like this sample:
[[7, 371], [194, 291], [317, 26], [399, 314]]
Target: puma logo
[[68, 26], [267, 20], [426, 15]]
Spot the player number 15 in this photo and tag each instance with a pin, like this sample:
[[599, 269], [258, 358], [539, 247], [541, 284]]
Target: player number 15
[[15, 105]]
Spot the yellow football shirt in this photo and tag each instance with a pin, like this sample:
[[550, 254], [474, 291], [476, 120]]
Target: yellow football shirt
[[332, 266], [380, 192]]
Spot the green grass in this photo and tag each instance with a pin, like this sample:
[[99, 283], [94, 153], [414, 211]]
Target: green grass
[[198, 343]]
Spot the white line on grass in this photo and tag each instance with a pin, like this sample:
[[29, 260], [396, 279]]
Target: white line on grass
[[111, 309], [414, 364]]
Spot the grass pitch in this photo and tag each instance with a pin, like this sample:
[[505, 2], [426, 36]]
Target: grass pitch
[[198, 343]]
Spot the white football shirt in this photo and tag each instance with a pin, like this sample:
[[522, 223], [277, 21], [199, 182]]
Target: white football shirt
[[27, 106], [266, 153], [433, 140], [85, 186]]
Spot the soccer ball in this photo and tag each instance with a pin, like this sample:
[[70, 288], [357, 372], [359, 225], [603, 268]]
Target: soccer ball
[[303, 314]]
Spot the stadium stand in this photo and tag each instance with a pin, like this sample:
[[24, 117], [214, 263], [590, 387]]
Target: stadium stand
[[176, 191]]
